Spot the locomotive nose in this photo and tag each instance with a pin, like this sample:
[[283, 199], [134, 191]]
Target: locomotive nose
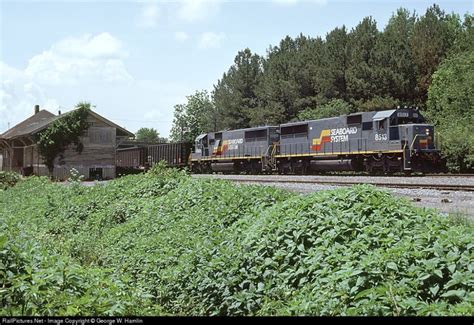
[[423, 137]]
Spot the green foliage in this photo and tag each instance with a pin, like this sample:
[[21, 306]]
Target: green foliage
[[149, 135], [66, 130], [433, 36], [377, 103], [166, 243], [337, 50], [235, 94], [465, 35], [394, 68], [451, 108], [8, 179], [193, 118], [361, 81], [294, 78], [335, 107]]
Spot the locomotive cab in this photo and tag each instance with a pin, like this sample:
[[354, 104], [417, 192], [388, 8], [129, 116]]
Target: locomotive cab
[[410, 127], [201, 146], [417, 140]]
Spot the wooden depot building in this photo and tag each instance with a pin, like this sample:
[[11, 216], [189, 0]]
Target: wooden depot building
[[19, 152]]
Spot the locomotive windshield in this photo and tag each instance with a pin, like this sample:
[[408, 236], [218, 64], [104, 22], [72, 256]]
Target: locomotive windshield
[[410, 116]]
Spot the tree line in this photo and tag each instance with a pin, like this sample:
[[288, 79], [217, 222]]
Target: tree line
[[361, 69]]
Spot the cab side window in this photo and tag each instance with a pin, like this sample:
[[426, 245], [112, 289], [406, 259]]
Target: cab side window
[[381, 124]]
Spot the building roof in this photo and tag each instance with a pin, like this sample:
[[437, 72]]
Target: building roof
[[31, 125], [43, 118], [120, 130]]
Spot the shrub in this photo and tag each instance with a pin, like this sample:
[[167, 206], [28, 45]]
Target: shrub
[[450, 107], [8, 179], [166, 243]]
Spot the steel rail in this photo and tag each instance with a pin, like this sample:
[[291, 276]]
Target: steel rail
[[440, 187]]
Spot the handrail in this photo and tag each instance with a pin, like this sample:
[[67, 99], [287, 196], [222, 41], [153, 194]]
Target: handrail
[[268, 149], [416, 136], [404, 154], [274, 148]]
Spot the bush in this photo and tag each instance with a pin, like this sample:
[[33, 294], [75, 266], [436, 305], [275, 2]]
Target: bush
[[450, 107], [166, 243], [8, 179], [333, 108]]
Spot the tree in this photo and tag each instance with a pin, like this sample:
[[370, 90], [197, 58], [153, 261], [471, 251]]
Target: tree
[[294, 78], [433, 35], [361, 84], [338, 62], [377, 103], [195, 117], [235, 94], [148, 135], [450, 107], [465, 36], [394, 68], [64, 131], [335, 107]]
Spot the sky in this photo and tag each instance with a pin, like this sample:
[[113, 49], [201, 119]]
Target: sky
[[135, 60]]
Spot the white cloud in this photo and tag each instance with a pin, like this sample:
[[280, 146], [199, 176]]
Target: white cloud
[[198, 10], [181, 36], [83, 69], [211, 40], [149, 16], [18, 95], [101, 46], [67, 66], [85, 58]]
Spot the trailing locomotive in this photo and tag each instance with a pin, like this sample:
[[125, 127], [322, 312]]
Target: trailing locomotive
[[244, 150], [387, 141]]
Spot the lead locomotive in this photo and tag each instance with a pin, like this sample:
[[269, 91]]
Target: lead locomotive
[[396, 140]]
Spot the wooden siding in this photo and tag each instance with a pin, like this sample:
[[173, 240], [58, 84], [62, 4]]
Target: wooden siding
[[28, 156], [98, 152], [63, 172]]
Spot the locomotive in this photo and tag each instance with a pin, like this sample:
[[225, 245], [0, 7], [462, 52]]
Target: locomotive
[[397, 140]]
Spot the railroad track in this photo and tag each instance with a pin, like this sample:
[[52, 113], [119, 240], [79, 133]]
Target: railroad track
[[439, 187], [449, 175]]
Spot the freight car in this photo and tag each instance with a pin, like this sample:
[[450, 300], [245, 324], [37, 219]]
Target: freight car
[[386, 141], [174, 154], [135, 157]]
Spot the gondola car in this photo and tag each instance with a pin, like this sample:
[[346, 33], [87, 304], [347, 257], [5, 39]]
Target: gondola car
[[135, 157]]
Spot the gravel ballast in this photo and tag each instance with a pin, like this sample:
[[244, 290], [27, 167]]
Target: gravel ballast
[[453, 202]]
